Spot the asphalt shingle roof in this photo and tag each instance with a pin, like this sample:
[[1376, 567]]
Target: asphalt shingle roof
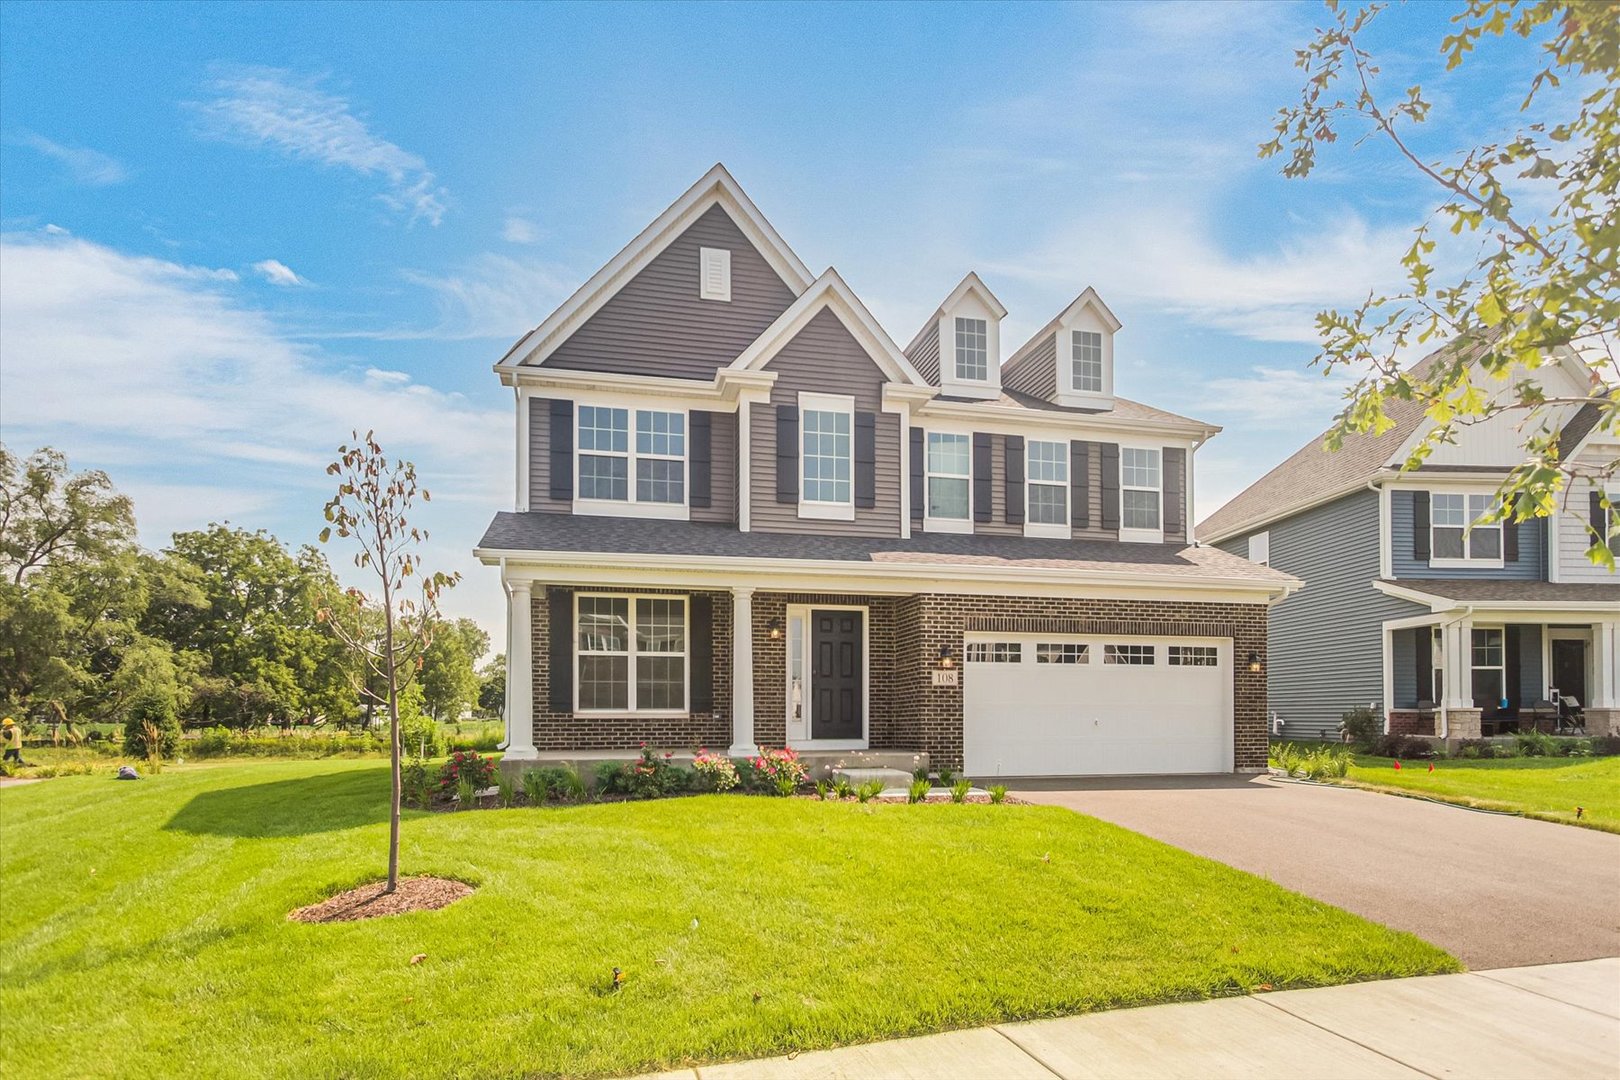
[[1481, 591]]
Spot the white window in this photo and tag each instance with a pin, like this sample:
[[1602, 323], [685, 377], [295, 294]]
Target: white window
[[1139, 482], [1047, 483], [1260, 548], [1088, 361], [1192, 656], [608, 458], [1061, 652], [1489, 684], [1456, 533], [1132, 655], [949, 469], [631, 653], [825, 455], [972, 350], [1437, 654], [714, 274], [995, 652]]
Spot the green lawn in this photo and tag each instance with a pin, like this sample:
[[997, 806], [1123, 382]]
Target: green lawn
[[1548, 788], [145, 930]]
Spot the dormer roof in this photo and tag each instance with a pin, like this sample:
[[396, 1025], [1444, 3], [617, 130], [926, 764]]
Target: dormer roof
[[1087, 298]]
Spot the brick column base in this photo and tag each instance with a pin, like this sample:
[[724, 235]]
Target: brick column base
[[1462, 723], [1602, 722]]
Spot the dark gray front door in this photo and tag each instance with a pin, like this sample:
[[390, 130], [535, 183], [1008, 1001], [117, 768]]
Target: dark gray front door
[[836, 691], [1569, 668]]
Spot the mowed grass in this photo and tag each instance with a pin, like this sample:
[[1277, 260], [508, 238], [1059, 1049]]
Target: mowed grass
[[145, 929], [1547, 788]]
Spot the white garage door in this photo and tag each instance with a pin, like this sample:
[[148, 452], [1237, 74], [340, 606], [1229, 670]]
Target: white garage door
[[1089, 706]]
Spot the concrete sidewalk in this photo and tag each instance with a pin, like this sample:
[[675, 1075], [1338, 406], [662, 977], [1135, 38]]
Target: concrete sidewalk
[[1560, 1021]]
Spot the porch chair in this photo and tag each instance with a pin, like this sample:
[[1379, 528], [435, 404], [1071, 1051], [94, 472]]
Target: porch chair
[[1544, 715], [1571, 717]]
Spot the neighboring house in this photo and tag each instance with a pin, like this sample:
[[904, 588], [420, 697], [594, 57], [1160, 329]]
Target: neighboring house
[[744, 517], [1446, 626]]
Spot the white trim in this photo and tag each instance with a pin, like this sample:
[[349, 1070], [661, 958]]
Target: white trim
[[1264, 555], [946, 524], [1096, 427], [714, 274], [829, 292], [520, 499], [630, 506], [520, 672], [1471, 525], [745, 465], [1063, 530], [631, 653], [1129, 535], [715, 187], [1554, 609], [1386, 532], [742, 671], [970, 300], [829, 509], [806, 741], [825, 511]]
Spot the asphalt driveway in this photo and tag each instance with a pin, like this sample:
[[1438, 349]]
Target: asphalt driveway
[[1495, 891]]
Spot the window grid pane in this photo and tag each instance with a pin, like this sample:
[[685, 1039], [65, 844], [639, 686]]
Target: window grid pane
[[1061, 652], [972, 355], [1139, 468], [949, 465], [1088, 365], [603, 477], [662, 434], [1139, 509], [661, 626], [606, 430], [995, 652], [1133, 655], [1192, 656], [1048, 504], [659, 480], [604, 682], [826, 457]]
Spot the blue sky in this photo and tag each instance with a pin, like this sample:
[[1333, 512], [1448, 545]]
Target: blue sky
[[232, 233]]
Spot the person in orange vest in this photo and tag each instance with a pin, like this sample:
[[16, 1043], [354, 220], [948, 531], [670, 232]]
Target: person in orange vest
[[13, 736]]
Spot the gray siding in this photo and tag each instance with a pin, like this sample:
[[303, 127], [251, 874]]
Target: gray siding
[[1175, 458], [1095, 500], [657, 325], [1036, 373], [1325, 643], [540, 499], [824, 358], [1532, 564], [722, 472], [924, 354], [997, 525]]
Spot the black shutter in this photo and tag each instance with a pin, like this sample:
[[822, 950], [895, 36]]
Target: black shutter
[[1510, 662], [1175, 471], [560, 648], [981, 476], [917, 463], [1420, 526], [562, 450], [1110, 486], [701, 454], [1080, 484], [700, 649], [787, 453], [1600, 519], [1510, 534], [865, 460], [1013, 447], [1425, 663]]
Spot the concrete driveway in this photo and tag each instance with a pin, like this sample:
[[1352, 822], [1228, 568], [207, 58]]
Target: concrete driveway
[[1494, 891]]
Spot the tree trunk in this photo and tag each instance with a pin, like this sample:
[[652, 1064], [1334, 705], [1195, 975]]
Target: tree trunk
[[393, 727]]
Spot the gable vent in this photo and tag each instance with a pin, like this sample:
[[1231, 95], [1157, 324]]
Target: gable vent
[[715, 274]]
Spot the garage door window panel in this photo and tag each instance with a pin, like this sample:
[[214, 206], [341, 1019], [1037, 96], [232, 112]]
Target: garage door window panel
[[1130, 655], [1193, 656], [1061, 652], [995, 652]]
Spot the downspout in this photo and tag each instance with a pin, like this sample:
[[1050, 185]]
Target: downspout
[[506, 708], [1444, 730]]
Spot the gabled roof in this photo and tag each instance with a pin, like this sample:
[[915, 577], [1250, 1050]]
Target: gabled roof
[[924, 348], [716, 187], [830, 292], [1087, 298]]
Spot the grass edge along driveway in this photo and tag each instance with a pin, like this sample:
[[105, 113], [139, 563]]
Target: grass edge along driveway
[[747, 927], [1548, 789]]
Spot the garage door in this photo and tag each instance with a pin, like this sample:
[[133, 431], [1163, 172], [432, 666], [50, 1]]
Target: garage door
[[1093, 706]]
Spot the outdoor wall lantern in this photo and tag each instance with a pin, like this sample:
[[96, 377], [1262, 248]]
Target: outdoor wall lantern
[[946, 660], [774, 629], [1254, 662]]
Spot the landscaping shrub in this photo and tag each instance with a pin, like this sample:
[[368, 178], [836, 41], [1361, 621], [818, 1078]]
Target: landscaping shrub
[[654, 775], [918, 791], [1316, 763], [960, 789], [869, 790], [1535, 744], [781, 770], [613, 778], [947, 777], [466, 793], [484, 737], [418, 733], [1284, 756], [998, 793], [919, 772], [416, 783], [505, 789], [842, 787], [1361, 726], [1606, 745], [465, 765], [151, 730], [822, 790], [563, 782], [715, 771], [535, 788]]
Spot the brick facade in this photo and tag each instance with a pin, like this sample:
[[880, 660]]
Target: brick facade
[[905, 634], [1410, 722]]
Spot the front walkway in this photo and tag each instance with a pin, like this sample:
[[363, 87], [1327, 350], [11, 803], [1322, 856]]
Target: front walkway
[[1494, 891], [1556, 1021]]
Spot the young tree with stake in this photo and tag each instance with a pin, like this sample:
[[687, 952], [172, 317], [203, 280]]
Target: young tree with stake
[[390, 632]]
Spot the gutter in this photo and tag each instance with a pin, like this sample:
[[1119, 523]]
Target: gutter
[[506, 699]]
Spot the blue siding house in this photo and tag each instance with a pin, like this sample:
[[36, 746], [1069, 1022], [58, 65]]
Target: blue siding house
[[1446, 623]]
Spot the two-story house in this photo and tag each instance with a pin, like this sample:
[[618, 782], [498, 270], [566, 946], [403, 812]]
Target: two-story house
[[744, 516], [1449, 624]]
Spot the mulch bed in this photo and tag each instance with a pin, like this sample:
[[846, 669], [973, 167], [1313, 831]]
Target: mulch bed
[[369, 901]]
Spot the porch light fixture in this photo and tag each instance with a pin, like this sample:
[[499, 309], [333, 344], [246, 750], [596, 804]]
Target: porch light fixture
[[946, 660], [1254, 662], [774, 629]]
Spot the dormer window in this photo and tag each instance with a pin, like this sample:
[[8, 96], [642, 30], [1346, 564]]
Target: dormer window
[[972, 350], [1088, 361]]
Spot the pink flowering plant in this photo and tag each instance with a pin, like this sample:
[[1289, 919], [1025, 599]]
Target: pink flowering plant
[[781, 769], [719, 771], [465, 764], [654, 774]]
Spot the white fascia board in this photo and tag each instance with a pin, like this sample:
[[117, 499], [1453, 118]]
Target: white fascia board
[[726, 389], [716, 186], [897, 577], [1014, 419], [1483, 610], [973, 284], [830, 292]]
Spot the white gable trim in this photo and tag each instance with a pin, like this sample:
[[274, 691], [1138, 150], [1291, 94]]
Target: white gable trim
[[1088, 298], [829, 292], [717, 187], [973, 284]]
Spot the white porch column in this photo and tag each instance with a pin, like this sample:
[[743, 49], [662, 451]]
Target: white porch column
[[1457, 646], [742, 671], [1604, 691], [520, 674]]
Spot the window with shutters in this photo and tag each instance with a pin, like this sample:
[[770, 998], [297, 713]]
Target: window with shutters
[[949, 471], [1141, 488], [972, 349], [1046, 483], [631, 653], [631, 457], [1458, 536], [714, 274], [826, 453]]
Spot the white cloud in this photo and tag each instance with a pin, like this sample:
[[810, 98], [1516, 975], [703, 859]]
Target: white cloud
[[280, 110], [89, 167], [278, 273], [1272, 397], [520, 230], [495, 296], [203, 409]]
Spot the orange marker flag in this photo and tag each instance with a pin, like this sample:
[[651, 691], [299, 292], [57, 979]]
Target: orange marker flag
[[1431, 766], [1397, 766]]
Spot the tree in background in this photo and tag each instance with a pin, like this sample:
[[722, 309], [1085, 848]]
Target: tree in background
[[371, 508], [492, 686], [50, 517], [1531, 228], [450, 668]]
